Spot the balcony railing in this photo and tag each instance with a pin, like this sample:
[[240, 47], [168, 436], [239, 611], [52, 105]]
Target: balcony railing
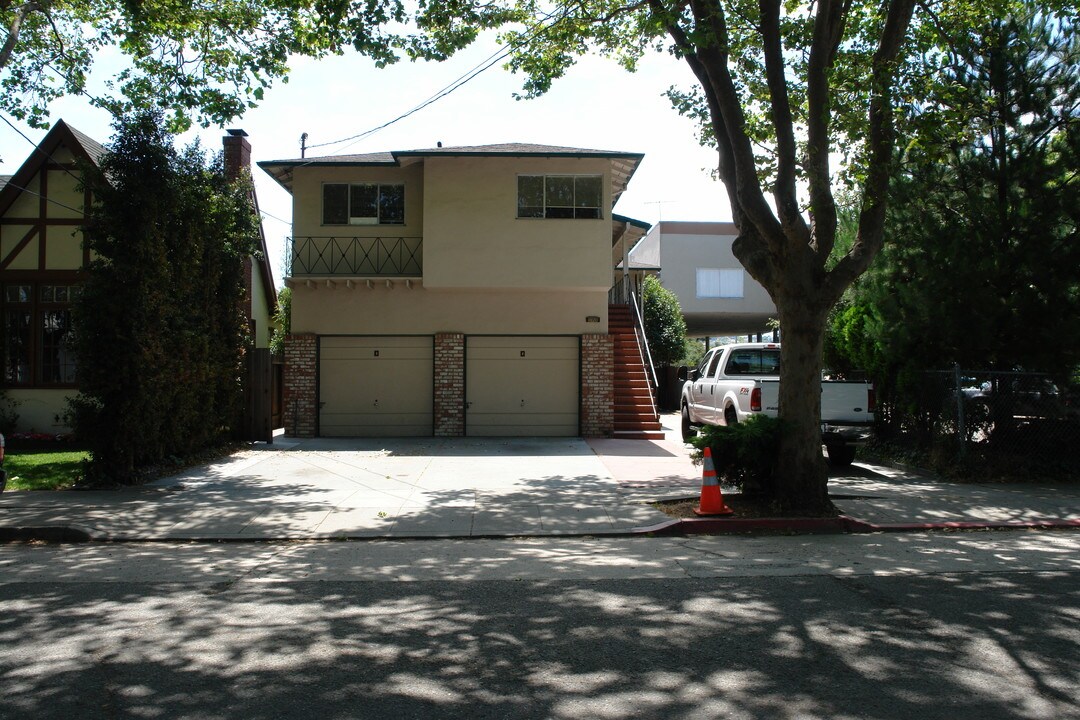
[[356, 256]]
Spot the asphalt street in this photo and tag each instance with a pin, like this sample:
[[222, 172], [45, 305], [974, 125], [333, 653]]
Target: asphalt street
[[945, 625]]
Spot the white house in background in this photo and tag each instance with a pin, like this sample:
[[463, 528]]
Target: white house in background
[[695, 261]]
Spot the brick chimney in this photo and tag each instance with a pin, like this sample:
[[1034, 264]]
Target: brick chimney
[[237, 153]]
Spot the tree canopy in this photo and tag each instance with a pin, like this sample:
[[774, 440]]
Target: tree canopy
[[985, 223], [206, 61]]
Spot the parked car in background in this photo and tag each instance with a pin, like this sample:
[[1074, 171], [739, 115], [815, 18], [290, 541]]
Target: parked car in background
[[1020, 395]]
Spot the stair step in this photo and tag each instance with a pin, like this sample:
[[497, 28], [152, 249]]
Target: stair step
[[637, 435], [642, 427], [636, 412], [637, 424]]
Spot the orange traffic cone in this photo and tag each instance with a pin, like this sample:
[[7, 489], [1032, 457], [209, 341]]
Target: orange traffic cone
[[712, 500]]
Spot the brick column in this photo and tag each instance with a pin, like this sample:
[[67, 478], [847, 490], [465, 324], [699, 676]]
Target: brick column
[[449, 385], [597, 386], [300, 377]]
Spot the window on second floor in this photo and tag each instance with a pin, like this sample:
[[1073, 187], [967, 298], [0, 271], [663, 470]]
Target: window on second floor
[[363, 204], [560, 196], [719, 283]]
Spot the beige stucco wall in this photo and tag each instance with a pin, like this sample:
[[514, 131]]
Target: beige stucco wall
[[465, 209], [11, 236], [424, 311], [38, 410], [473, 237], [63, 247], [67, 199], [307, 200]]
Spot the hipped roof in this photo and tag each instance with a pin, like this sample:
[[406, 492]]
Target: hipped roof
[[623, 164]]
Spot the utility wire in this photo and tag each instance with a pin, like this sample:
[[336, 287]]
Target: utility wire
[[39, 150], [463, 79], [476, 70]]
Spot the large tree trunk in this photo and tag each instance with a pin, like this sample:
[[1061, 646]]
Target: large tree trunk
[[802, 481]]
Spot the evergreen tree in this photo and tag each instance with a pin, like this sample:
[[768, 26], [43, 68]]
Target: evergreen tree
[[159, 329], [665, 328], [985, 218]]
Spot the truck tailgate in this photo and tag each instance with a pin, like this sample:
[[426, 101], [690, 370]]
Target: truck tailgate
[[845, 402], [842, 402]]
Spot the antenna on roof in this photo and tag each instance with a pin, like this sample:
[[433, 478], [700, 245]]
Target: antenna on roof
[[303, 145]]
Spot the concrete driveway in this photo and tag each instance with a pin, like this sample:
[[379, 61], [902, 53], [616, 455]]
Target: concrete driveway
[[462, 487], [403, 487]]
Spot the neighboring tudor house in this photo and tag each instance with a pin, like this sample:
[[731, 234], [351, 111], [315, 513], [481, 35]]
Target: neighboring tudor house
[[455, 291], [42, 212], [695, 261]]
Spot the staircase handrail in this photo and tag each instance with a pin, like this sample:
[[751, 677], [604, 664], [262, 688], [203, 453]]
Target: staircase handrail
[[643, 342]]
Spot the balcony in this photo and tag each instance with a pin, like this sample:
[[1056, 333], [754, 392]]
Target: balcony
[[382, 257]]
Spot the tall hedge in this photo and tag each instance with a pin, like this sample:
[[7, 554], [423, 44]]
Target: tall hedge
[[159, 329], [665, 328]]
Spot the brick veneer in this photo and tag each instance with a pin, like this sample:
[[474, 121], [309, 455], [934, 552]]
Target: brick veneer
[[300, 385], [597, 386], [449, 385]]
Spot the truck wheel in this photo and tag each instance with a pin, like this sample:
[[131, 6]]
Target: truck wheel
[[730, 416], [688, 431], [841, 455]]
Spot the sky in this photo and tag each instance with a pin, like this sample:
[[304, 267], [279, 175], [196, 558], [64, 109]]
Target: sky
[[598, 105]]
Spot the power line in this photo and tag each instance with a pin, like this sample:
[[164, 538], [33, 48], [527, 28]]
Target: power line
[[460, 81], [46, 199], [38, 149], [469, 75]]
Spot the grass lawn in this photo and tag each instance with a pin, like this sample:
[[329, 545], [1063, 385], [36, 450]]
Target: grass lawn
[[43, 470]]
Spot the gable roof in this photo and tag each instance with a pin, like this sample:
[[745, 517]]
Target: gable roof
[[61, 133], [623, 164]]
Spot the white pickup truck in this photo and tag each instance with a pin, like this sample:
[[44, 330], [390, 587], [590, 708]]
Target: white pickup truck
[[736, 381]]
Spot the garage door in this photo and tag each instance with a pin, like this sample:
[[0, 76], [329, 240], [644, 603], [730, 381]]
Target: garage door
[[375, 386], [521, 386]]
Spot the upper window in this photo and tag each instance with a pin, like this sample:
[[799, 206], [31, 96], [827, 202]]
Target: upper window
[[560, 196], [363, 204], [719, 283]]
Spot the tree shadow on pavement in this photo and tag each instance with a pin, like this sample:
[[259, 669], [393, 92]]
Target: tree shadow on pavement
[[823, 647]]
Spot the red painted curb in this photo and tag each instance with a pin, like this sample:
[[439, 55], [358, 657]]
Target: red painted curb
[[840, 524], [977, 525]]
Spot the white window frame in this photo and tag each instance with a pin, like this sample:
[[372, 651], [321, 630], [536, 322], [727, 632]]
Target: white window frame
[[722, 283]]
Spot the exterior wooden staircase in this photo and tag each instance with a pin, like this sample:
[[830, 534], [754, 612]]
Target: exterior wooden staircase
[[635, 413]]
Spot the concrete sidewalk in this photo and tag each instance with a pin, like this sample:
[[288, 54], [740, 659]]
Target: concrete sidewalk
[[464, 487]]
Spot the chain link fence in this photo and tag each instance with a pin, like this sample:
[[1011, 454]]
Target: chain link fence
[[1009, 424]]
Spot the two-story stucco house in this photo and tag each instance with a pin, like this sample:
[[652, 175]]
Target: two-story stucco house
[[695, 261], [42, 256], [453, 291]]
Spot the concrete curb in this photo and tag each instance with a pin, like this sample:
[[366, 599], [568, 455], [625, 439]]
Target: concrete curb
[[841, 524], [49, 533]]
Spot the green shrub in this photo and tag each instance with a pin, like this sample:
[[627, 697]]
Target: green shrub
[[745, 454]]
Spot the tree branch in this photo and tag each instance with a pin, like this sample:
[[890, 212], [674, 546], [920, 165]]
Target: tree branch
[[13, 31], [882, 133], [828, 33], [713, 57], [784, 191], [750, 247]]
